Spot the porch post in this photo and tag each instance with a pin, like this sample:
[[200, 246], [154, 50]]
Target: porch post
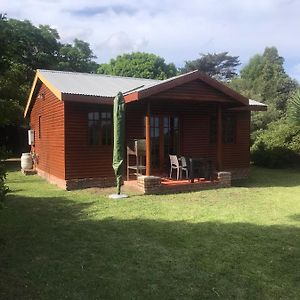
[[219, 140], [148, 142]]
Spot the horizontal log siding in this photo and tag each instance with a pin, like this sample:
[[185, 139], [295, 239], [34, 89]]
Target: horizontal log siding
[[50, 147], [84, 160], [195, 90], [237, 155]]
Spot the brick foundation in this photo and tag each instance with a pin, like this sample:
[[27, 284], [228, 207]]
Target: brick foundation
[[75, 184], [149, 184], [153, 185], [52, 179], [239, 173], [224, 179]]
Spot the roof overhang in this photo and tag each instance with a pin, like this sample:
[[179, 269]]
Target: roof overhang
[[253, 106], [142, 92], [40, 78]]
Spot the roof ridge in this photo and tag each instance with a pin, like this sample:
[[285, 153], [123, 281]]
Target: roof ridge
[[102, 75]]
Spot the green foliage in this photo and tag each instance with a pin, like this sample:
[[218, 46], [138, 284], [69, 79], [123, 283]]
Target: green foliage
[[139, 65], [278, 146], [265, 79], [78, 57], [218, 65], [25, 48], [3, 187], [294, 108], [238, 243]]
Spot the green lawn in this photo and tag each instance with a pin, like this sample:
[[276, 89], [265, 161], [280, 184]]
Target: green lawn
[[237, 243]]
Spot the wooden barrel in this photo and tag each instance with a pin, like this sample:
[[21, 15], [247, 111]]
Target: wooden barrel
[[26, 161]]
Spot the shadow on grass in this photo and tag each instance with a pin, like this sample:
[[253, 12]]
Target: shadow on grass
[[12, 166], [262, 177], [295, 217], [55, 248]]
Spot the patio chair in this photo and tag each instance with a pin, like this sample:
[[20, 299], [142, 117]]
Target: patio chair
[[184, 167], [174, 164]]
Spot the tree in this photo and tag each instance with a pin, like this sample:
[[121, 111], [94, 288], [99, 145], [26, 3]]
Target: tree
[[218, 65], [139, 65], [278, 146], [23, 49], [78, 57], [265, 79], [294, 108]]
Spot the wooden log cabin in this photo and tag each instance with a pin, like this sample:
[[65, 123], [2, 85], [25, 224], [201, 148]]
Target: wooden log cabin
[[190, 114]]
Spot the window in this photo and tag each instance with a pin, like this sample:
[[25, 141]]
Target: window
[[229, 129], [40, 127], [154, 133], [164, 133], [100, 128], [228, 126], [106, 128], [171, 135], [93, 125]]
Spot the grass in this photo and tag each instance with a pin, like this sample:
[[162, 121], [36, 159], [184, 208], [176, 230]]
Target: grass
[[237, 243]]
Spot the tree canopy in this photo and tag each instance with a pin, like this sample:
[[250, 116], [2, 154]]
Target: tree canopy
[[78, 57], [218, 65], [139, 65], [294, 108], [25, 48], [264, 79]]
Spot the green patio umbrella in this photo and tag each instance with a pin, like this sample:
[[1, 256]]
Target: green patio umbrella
[[119, 138]]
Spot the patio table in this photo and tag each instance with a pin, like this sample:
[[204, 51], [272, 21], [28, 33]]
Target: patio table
[[200, 167]]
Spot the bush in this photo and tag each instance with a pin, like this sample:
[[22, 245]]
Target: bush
[[278, 146], [3, 187]]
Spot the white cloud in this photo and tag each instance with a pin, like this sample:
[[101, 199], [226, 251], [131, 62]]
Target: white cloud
[[177, 30], [295, 72]]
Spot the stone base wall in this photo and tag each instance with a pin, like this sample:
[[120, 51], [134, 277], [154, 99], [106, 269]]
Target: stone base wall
[[224, 179], [239, 173], [52, 179], [153, 185], [149, 184], [75, 184]]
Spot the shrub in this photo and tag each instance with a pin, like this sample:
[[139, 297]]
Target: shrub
[[278, 146], [3, 187]]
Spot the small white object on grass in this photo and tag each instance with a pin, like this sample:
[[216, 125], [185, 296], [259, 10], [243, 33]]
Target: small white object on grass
[[117, 196]]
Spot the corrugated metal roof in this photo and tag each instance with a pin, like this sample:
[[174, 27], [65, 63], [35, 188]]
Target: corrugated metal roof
[[94, 84], [158, 82], [108, 86]]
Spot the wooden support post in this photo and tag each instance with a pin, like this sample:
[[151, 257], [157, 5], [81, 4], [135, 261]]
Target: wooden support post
[[148, 142], [219, 140], [161, 144]]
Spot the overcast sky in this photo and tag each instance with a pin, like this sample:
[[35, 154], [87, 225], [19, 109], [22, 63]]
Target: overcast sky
[[177, 30]]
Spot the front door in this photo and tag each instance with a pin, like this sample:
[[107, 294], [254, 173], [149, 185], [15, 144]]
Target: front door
[[164, 140]]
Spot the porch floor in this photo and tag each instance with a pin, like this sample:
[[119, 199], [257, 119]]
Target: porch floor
[[169, 185]]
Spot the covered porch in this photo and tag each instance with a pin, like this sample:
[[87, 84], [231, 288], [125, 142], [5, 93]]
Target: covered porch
[[190, 116]]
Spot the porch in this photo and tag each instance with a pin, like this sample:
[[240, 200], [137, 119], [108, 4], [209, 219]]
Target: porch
[[165, 185]]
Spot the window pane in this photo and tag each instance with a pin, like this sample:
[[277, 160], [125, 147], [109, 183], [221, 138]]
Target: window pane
[[176, 122], [229, 129], [106, 128]]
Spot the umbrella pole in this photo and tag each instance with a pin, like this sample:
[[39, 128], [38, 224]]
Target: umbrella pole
[[119, 185]]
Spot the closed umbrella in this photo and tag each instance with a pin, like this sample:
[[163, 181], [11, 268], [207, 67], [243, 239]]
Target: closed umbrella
[[119, 139]]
